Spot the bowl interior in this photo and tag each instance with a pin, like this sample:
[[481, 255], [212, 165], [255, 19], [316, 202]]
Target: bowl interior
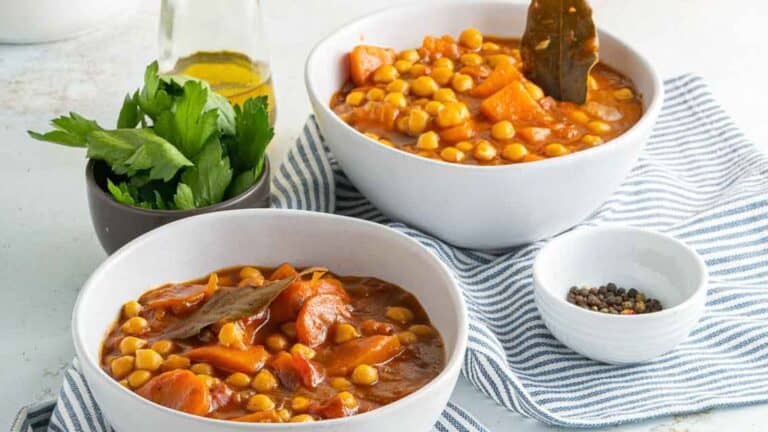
[[658, 265], [401, 28], [195, 246]]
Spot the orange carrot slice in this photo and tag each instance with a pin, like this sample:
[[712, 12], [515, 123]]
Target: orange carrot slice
[[503, 75], [369, 350], [249, 360], [178, 389], [288, 304], [513, 102], [317, 315], [458, 133]]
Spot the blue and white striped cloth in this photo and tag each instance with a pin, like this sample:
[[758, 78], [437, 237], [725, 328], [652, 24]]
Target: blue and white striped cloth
[[699, 179]]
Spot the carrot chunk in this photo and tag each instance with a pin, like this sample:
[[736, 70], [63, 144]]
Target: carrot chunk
[[178, 389], [293, 370], [365, 59], [247, 361], [288, 304], [512, 103], [283, 271], [503, 75], [317, 315], [369, 350], [461, 132]]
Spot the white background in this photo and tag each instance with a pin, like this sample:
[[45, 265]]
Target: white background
[[47, 246]]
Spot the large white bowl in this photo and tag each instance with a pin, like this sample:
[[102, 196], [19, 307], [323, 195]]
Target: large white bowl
[[473, 206], [191, 247], [656, 264]]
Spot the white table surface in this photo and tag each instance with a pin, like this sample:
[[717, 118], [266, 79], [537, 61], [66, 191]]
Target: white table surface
[[47, 245]]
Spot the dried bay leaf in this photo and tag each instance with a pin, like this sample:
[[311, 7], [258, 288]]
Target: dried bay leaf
[[560, 47], [232, 304]]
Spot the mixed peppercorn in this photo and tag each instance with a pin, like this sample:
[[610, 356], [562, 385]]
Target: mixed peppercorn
[[612, 299]]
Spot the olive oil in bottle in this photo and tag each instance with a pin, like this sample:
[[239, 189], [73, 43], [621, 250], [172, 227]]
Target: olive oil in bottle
[[231, 74]]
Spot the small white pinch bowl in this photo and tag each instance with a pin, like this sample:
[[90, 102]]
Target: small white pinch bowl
[[194, 246], [479, 207], [658, 265]]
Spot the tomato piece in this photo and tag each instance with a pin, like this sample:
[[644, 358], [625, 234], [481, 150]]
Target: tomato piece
[[317, 315], [283, 271], [178, 389], [369, 350], [365, 59], [293, 370], [249, 360], [435, 48], [221, 394], [288, 304], [268, 416]]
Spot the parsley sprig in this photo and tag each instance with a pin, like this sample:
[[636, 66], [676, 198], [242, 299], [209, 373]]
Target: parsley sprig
[[178, 145]]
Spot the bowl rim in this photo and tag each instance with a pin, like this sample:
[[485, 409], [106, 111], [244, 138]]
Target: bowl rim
[[453, 362], [627, 138], [104, 198], [691, 299]]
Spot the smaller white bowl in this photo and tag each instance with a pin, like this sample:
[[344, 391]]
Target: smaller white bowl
[[655, 264]]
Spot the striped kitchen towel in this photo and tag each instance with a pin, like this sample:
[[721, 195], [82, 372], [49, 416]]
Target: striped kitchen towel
[[699, 179]]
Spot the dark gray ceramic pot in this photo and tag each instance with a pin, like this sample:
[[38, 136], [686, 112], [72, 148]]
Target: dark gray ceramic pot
[[116, 224]]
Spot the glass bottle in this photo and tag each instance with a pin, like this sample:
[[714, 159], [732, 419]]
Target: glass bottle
[[221, 42]]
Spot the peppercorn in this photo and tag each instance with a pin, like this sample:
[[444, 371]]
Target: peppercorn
[[612, 299]]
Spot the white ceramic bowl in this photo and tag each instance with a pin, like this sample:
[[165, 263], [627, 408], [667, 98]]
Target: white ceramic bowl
[[191, 247], [656, 264], [473, 206]]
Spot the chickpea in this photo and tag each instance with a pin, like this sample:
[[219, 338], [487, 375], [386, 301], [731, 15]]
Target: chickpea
[[131, 309], [163, 347], [130, 344], [345, 332], [452, 154], [372, 136], [419, 70], [284, 414], [253, 272], [398, 86], [579, 116], [402, 123], [238, 379], [403, 66], [276, 342], [365, 375], [300, 403], [555, 149], [264, 381], [407, 337], [471, 38], [445, 95], [623, 94], [289, 329], [260, 402], [424, 86], [484, 151], [340, 383], [121, 366], [497, 59], [490, 46], [303, 350], [148, 359], [202, 369], [231, 335], [399, 314], [465, 146], [302, 418], [443, 62], [208, 380], [442, 74], [355, 98], [347, 399], [375, 94], [396, 99], [422, 330], [417, 121], [452, 115], [535, 91], [434, 107], [410, 55], [599, 127], [591, 140], [428, 141], [138, 378], [175, 361], [135, 326], [385, 74], [514, 152], [462, 83], [503, 130], [471, 59]]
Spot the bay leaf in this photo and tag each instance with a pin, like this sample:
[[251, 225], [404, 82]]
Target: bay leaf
[[560, 47], [232, 304]]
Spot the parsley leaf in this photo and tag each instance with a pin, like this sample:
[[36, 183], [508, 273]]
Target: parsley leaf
[[242, 182], [188, 127], [153, 98], [70, 131], [130, 151], [130, 115], [121, 193], [184, 198], [210, 177], [253, 133], [226, 120]]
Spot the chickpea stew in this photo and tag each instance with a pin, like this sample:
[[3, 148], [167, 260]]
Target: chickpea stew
[[467, 101], [326, 347]]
